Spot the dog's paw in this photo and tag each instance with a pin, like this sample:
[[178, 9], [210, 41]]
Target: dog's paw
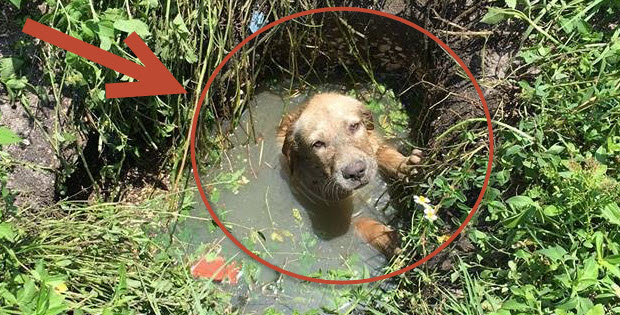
[[415, 157], [408, 166]]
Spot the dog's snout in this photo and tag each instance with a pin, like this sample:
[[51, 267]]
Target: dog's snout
[[355, 170]]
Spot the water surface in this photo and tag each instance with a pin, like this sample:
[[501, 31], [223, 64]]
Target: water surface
[[252, 197]]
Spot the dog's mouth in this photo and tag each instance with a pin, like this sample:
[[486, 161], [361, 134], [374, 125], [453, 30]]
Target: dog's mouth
[[350, 184], [341, 188], [356, 184], [356, 175]]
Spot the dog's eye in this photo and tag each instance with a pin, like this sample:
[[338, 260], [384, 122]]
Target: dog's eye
[[354, 126], [318, 144]]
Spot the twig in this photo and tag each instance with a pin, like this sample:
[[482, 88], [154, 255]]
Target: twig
[[468, 33]]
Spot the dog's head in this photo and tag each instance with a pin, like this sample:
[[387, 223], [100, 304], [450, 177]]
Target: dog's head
[[328, 145]]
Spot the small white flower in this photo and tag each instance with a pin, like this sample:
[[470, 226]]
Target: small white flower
[[429, 213], [429, 210], [421, 200]]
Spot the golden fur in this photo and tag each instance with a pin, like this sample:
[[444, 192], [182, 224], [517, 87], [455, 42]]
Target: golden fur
[[330, 148]]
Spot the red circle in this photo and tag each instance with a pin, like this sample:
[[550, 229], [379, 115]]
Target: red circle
[[332, 9]]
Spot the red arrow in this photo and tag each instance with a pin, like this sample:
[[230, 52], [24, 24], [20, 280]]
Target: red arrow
[[153, 78]]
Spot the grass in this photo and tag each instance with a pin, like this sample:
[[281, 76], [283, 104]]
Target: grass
[[544, 241], [104, 259], [546, 235]]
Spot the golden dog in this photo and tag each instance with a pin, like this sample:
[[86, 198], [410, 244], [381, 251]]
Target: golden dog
[[330, 148]]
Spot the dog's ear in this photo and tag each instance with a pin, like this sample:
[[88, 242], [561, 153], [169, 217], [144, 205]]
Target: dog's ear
[[286, 132], [288, 148], [367, 118]]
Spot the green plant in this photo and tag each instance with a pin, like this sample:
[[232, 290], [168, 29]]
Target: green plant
[[100, 259], [546, 233], [6, 137]]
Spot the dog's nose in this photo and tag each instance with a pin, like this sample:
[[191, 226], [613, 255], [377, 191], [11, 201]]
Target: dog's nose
[[354, 170]]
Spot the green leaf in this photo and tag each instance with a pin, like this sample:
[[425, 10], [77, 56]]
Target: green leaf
[[494, 16], [611, 212], [27, 293], [551, 211], [567, 24], [106, 42], [121, 287], [598, 244], [9, 66], [178, 21], [150, 3], [611, 267], [16, 84], [513, 150], [514, 305], [613, 259], [588, 276], [131, 26], [7, 232], [515, 220], [8, 137], [596, 310], [570, 304], [105, 29], [56, 303], [555, 149], [511, 3], [554, 253], [7, 296], [520, 202], [16, 3]]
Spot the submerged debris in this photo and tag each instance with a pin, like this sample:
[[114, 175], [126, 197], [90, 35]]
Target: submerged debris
[[216, 269], [258, 21]]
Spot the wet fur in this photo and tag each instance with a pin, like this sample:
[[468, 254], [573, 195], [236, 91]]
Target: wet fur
[[329, 117], [294, 135]]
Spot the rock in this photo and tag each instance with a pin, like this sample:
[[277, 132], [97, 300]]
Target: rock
[[395, 6], [392, 66]]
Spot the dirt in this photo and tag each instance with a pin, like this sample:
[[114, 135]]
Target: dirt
[[32, 175], [40, 159], [488, 51]]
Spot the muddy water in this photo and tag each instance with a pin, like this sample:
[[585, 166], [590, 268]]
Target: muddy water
[[251, 195]]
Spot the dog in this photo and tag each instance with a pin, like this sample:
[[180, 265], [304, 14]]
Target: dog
[[331, 148]]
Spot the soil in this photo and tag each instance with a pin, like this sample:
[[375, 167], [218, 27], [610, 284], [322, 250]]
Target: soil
[[34, 162], [33, 175], [488, 52]]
